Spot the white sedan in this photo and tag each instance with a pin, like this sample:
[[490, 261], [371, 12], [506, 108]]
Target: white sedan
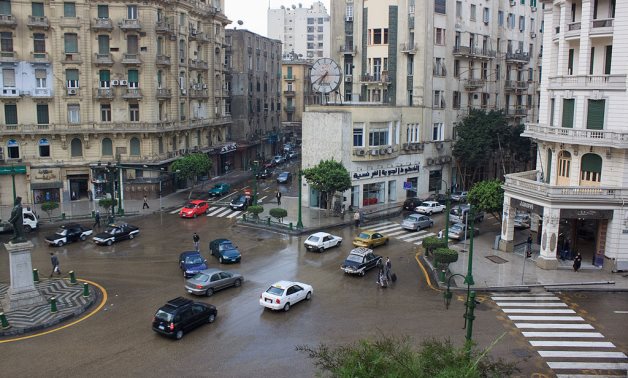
[[430, 207], [320, 241], [283, 294]]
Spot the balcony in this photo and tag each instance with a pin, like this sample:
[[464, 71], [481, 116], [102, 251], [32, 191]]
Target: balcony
[[130, 25], [409, 48], [517, 57], [204, 38], [103, 59], [199, 93], [38, 22], [473, 53], [598, 138], [8, 21], [525, 183], [195, 64], [42, 94], [472, 84], [8, 57], [103, 93], [289, 77], [515, 112], [349, 50], [380, 78], [40, 58], [514, 85], [132, 93], [601, 27], [102, 24], [10, 92], [131, 59], [72, 58], [164, 27], [289, 108], [163, 93], [221, 93], [162, 61], [289, 93], [588, 82], [573, 30]]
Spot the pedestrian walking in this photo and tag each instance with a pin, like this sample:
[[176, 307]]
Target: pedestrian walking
[[356, 218], [529, 246], [97, 219], [197, 240], [55, 264], [388, 268], [577, 262], [145, 206], [278, 196], [440, 234]]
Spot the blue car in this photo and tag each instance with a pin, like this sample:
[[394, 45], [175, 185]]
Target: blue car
[[225, 251], [191, 262]]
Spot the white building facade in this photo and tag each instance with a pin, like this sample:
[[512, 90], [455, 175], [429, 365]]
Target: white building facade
[[579, 189]]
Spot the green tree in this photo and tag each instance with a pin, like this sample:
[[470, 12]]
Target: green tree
[[256, 210], [328, 177], [107, 204], [432, 243], [192, 166], [398, 357], [445, 256], [48, 207], [278, 213], [488, 196]]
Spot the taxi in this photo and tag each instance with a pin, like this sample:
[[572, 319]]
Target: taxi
[[370, 239]]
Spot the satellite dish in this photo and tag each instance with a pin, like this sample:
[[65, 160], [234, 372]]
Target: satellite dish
[[240, 22]]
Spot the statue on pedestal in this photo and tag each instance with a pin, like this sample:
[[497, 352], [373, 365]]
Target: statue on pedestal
[[17, 221]]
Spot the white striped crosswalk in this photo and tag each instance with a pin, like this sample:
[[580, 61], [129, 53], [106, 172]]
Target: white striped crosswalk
[[564, 341], [394, 230]]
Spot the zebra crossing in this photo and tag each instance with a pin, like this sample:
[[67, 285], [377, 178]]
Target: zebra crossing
[[394, 230], [570, 346], [216, 211]]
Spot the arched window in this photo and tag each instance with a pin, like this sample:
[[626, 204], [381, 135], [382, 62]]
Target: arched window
[[106, 147], [76, 147], [564, 168], [44, 148], [135, 146], [590, 170], [13, 149]]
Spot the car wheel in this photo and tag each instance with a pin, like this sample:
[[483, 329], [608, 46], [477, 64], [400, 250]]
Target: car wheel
[[83, 237], [321, 249], [28, 228], [60, 243], [237, 283], [179, 335], [386, 242], [131, 236], [308, 296], [220, 260], [209, 292], [362, 273], [286, 307], [338, 245], [194, 216], [211, 318], [109, 242]]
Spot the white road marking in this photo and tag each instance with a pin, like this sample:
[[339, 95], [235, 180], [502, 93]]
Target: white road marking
[[554, 325], [525, 298], [547, 318], [419, 237], [396, 233], [564, 334], [212, 208], [215, 212], [224, 213], [410, 234], [585, 376], [235, 214], [532, 304], [423, 237], [176, 211], [588, 365], [261, 199], [376, 225], [621, 312], [578, 344], [536, 311], [391, 227], [583, 354]]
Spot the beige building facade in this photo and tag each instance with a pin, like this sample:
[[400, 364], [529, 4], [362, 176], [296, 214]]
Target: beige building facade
[[90, 83], [296, 94]]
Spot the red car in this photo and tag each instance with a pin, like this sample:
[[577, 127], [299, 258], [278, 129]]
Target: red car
[[194, 208]]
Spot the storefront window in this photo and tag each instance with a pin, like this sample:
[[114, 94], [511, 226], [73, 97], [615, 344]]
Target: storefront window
[[435, 183], [414, 182], [314, 197], [392, 191], [355, 196], [373, 194]]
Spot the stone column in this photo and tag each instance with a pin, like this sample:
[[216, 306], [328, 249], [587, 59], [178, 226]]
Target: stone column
[[549, 239], [22, 291], [508, 226]]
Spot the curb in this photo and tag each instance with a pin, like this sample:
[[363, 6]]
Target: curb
[[590, 289]]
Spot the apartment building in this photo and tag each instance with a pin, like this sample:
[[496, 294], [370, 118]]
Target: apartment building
[[86, 83], [297, 92], [302, 31], [254, 83], [578, 191]]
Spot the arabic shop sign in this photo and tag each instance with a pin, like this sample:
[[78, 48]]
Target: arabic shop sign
[[385, 172], [228, 148], [12, 170], [45, 174]]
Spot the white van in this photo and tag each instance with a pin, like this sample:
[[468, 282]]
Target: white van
[[30, 221], [458, 214]]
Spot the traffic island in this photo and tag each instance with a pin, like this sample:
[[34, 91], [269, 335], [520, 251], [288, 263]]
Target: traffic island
[[69, 303]]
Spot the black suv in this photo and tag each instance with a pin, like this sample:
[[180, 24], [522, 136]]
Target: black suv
[[182, 315], [411, 203]]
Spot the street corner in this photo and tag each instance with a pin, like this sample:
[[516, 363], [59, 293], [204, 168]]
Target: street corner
[[77, 301]]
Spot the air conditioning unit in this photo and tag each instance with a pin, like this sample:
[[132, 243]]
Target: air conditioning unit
[[429, 161], [349, 18], [419, 146], [115, 82], [25, 93], [532, 35], [72, 91], [374, 152], [533, 9], [348, 79], [389, 150], [124, 82], [204, 86], [439, 146], [406, 146], [382, 151], [513, 3], [184, 92], [518, 52], [360, 152]]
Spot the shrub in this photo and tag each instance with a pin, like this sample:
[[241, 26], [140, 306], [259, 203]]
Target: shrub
[[107, 203], [445, 256], [432, 242], [256, 210], [278, 213], [48, 207]]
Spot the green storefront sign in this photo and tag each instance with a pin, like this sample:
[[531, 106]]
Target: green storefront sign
[[13, 170]]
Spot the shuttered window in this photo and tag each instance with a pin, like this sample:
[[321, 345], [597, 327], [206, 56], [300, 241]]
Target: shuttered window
[[10, 114], [5, 7], [8, 77], [69, 10], [42, 114], [37, 9], [70, 42], [568, 109], [595, 114], [103, 11], [608, 60]]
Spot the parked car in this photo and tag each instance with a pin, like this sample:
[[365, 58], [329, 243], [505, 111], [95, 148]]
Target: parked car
[[284, 177], [208, 281], [181, 315], [459, 214], [370, 239], [457, 231], [293, 155], [321, 241], [411, 203], [69, 233], [269, 164], [264, 173], [278, 159], [437, 197], [30, 221], [241, 202], [115, 233], [191, 262], [225, 251], [430, 207], [417, 222], [194, 208], [522, 220], [459, 196], [219, 190], [288, 147], [283, 294], [359, 261]]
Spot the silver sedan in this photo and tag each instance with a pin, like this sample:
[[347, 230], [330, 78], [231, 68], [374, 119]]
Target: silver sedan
[[207, 281], [416, 222]]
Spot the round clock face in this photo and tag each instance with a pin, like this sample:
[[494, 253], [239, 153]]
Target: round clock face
[[325, 75]]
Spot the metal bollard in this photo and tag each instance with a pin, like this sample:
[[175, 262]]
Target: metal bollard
[[85, 289], [268, 221], [63, 216], [72, 277], [93, 214], [244, 217], [4, 321], [290, 226], [53, 304], [35, 275]]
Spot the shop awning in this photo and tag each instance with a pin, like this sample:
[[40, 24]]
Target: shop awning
[[46, 185]]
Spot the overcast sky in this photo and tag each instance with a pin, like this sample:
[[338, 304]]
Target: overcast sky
[[253, 12]]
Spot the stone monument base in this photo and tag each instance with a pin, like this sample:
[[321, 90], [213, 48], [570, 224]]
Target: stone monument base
[[22, 291], [547, 263]]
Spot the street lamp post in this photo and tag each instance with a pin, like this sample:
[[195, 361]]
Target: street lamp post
[[255, 169], [111, 170], [469, 278], [299, 219], [447, 209]]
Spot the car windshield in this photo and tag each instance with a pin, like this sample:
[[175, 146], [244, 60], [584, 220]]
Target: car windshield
[[354, 258], [193, 260], [217, 186], [163, 315], [225, 246], [364, 235], [425, 204], [190, 205], [111, 230], [313, 239], [283, 175], [457, 227], [201, 277], [275, 291], [412, 219], [61, 231]]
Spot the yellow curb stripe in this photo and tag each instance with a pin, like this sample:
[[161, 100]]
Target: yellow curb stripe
[[102, 303], [427, 276]]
